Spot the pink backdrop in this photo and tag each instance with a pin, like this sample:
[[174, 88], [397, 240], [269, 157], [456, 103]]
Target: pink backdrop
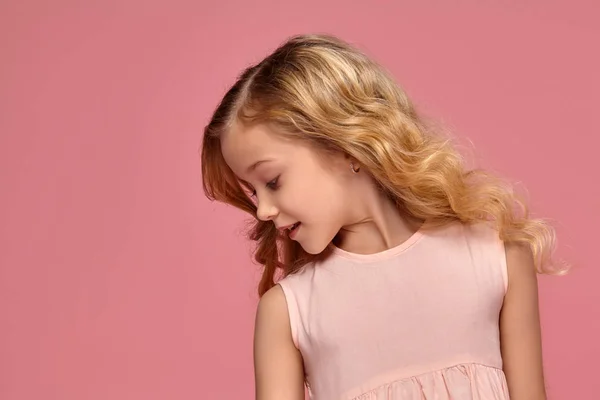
[[119, 280]]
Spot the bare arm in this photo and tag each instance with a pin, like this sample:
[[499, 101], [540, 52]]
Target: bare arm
[[520, 333], [278, 364]]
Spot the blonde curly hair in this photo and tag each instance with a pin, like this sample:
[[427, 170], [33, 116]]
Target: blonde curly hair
[[320, 89]]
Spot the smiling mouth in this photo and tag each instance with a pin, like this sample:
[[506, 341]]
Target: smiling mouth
[[293, 229]]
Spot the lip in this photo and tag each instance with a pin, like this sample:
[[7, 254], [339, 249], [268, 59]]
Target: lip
[[283, 228], [293, 233]]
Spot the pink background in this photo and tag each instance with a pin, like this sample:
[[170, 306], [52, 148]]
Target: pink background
[[119, 280]]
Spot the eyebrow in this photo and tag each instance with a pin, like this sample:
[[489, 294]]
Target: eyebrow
[[256, 164]]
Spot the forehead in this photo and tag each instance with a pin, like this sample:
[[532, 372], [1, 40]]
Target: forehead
[[243, 146]]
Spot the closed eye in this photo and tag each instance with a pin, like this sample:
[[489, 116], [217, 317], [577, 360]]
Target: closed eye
[[271, 185], [274, 184]]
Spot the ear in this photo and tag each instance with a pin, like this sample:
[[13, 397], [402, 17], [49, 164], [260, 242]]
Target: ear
[[351, 161]]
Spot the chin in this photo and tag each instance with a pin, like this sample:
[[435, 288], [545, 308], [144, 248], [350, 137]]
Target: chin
[[314, 248], [317, 245]]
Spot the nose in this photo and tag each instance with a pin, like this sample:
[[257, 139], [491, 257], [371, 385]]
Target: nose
[[266, 211]]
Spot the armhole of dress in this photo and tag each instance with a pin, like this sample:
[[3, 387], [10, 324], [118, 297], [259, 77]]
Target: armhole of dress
[[503, 264], [292, 307]]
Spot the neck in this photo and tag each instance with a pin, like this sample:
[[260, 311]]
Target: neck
[[378, 224]]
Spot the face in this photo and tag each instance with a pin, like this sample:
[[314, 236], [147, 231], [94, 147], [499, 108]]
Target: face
[[292, 183]]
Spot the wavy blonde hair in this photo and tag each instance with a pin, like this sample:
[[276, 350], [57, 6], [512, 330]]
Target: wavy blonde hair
[[320, 89]]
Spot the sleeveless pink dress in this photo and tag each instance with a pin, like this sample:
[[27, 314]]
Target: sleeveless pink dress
[[418, 321]]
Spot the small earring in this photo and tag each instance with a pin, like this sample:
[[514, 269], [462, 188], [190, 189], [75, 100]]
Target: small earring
[[355, 170]]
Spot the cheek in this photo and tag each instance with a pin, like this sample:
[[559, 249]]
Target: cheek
[[315, 196], [303, 202], [326, 201]]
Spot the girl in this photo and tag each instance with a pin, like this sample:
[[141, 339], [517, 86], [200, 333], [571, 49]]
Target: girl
[[400, 273]]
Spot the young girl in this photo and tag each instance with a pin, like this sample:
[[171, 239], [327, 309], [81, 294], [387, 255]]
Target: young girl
[[403, 274]]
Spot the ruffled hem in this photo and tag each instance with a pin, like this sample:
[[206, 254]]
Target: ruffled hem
[[460, 382]]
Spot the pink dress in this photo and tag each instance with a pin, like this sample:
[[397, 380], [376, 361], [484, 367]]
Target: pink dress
[[418, 321]]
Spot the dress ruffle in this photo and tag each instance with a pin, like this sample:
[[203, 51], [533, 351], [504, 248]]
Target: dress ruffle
[[459, 382]]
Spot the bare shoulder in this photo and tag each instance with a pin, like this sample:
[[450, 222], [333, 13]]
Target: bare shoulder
[[520, 264], [521, 300], [273, 303], [278, 365], [520, 332], [272, 315]]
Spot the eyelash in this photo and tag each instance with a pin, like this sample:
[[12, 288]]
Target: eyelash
[[273, 185]]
